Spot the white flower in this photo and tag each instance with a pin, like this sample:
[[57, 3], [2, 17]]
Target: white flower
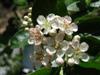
[[44, 23], [78, 50], [35, 36], [67, 26]]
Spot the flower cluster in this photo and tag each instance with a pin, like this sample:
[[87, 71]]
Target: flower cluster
[[51, 48]]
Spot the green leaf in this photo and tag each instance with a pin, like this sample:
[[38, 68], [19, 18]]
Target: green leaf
[[20, 2], [73, 7], [45, 7], [2, 45], [88, 2], [46, 71], [89, 23], [94, 44], [91, 64], [60, 8], [19, 40], [42, 71], [95, 4], [68, 2]]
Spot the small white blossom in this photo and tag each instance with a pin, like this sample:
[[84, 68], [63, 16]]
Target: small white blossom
[[45, 23], [78, 50], [67, 26], [35, 36]]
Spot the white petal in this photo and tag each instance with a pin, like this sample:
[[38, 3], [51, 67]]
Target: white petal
[[68, 19], [76, 41], [53, 31], [76, 60], [59, 60], [59, 20], [50, 41], [69, 52], [55, 24], [26, 70], [50, 17], [54, 64], [45, 61], [65, 45], [60, 53], [75, 44], [70, 61], [76, 37], [30, 9], [38, 26], [74, 27], [30, 41], [68, 32], [46, 32], [41, 19], [50, 51], [85, 57], [26, 17], [84, 46], [38, 42], [60, 36]]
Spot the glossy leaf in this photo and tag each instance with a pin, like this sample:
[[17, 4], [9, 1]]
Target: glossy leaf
[[46, 71], [19, 40], [91, 64], [20, 2], [73, 7], [60, 8], [42, 71], [95, 4], [94, 43], [89, 23]]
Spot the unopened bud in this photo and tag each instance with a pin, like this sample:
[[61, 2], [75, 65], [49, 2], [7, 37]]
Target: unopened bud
[[60, 60]]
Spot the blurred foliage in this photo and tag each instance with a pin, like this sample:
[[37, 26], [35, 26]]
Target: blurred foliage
[[86, 13]]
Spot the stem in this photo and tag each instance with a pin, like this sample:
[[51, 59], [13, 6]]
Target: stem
[[61, 71]]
